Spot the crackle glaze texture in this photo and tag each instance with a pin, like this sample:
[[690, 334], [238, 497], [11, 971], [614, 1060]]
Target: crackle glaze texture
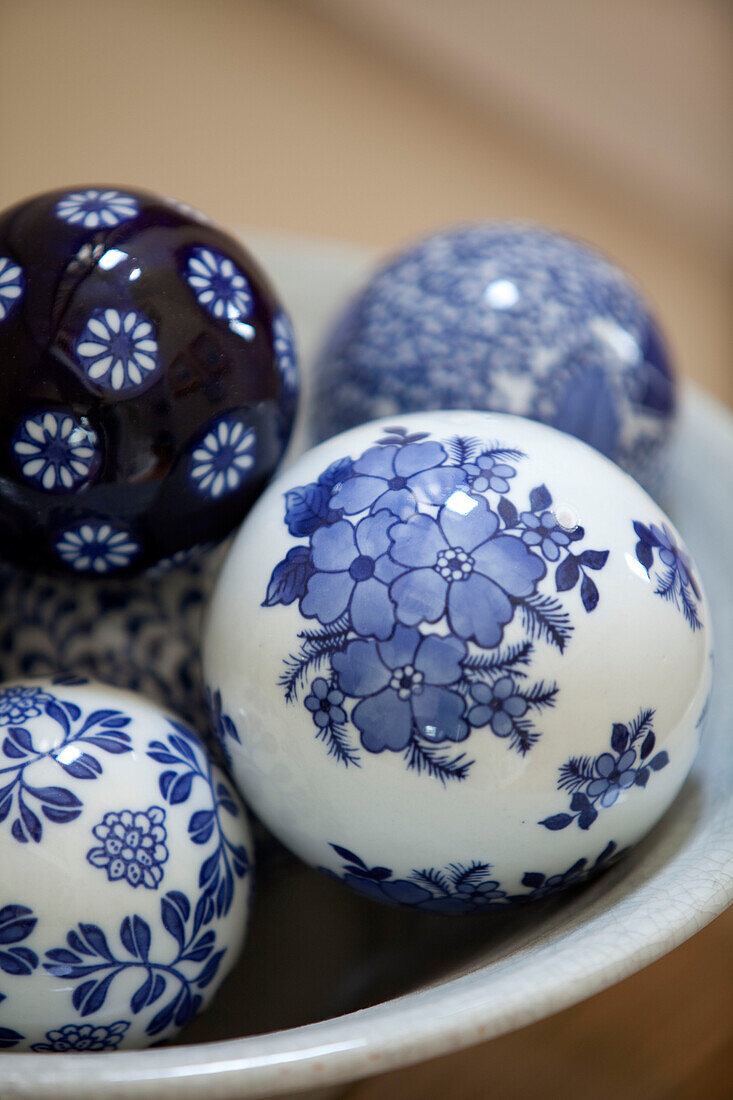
[[442, 609], [149, 381], [126, 869], [506, 317]]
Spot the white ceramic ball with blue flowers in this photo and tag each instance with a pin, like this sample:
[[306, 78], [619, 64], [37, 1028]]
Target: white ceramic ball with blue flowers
[[507, 317], [459, 660], [126, 869]]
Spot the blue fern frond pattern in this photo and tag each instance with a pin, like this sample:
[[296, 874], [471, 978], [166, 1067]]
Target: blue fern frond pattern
[[670, 567], [460, 887], [596, 783], [412, 534]]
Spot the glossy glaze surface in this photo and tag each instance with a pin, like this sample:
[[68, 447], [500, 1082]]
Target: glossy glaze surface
[[442, 609], [127, 869], [149, 381], [511, 318]]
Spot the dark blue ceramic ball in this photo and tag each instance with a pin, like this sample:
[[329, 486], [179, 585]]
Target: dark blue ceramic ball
[[510, 318], [148, 384]]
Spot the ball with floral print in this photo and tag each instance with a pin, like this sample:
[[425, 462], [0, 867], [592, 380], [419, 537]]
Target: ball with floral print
[[149, 387], [507, 317], [455, 657], [126, 869]]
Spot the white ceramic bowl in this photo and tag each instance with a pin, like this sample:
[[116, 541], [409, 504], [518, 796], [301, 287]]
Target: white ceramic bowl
[[352, 988]]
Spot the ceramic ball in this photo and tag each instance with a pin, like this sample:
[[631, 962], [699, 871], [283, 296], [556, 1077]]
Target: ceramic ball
[[511, 318], [140, 633], [149, 381], [459, 661], [126, 869]]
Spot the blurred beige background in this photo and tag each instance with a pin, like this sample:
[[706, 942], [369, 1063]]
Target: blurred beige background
[[372, 121]]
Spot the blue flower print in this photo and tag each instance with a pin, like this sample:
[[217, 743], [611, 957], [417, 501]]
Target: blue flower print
[[55, 451], [96, 547], [285, 354], [85, 1037], [325, 704], [220, 287], [462, 565], [497, 705], [133, 846], [19, 704], [544, 531], [676, 580], [11, 285], [597, 783], [404, 688], [118, 350], [486, 473], [398, 478], [220, 462], [352, 573], [94, 209]]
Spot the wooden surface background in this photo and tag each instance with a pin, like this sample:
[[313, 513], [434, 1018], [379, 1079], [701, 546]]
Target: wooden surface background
[[267, 114]]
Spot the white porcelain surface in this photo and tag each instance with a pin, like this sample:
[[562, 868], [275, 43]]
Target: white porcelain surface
[[362, 988], [463, 623], [126, 870]]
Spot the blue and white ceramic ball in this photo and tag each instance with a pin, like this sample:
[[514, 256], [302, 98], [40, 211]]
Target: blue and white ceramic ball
[[511, 318], [459, 661], [126, 869]]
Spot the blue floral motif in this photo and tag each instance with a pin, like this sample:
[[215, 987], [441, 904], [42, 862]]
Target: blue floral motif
[[12, 284], [73, 753], [675, 577], [596, 784], [221, 288], [283, 339], [416, 532], [460, 887], [83, 1037], [96, 546], [55, 451], [190, 965], [133, 846], [188, 763], [17, 922], [219, 463], [118, 350], [94, 209]]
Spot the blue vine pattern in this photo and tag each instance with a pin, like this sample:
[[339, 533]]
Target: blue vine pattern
[[460, 887], [194, 964], [188, 764], [16, 925], [20, 708], [675, 578], [412, 532], [595, 784]]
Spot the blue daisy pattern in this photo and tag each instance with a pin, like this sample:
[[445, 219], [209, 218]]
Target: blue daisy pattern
[[96, 209], [675, 576], [97, 547], [285, 353], [132, 846], [415, 534], [18, 704], [220, 463], [118, 350], [597, 783], [219, 285], [11, 285], [83, 1037], [55, 451]]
